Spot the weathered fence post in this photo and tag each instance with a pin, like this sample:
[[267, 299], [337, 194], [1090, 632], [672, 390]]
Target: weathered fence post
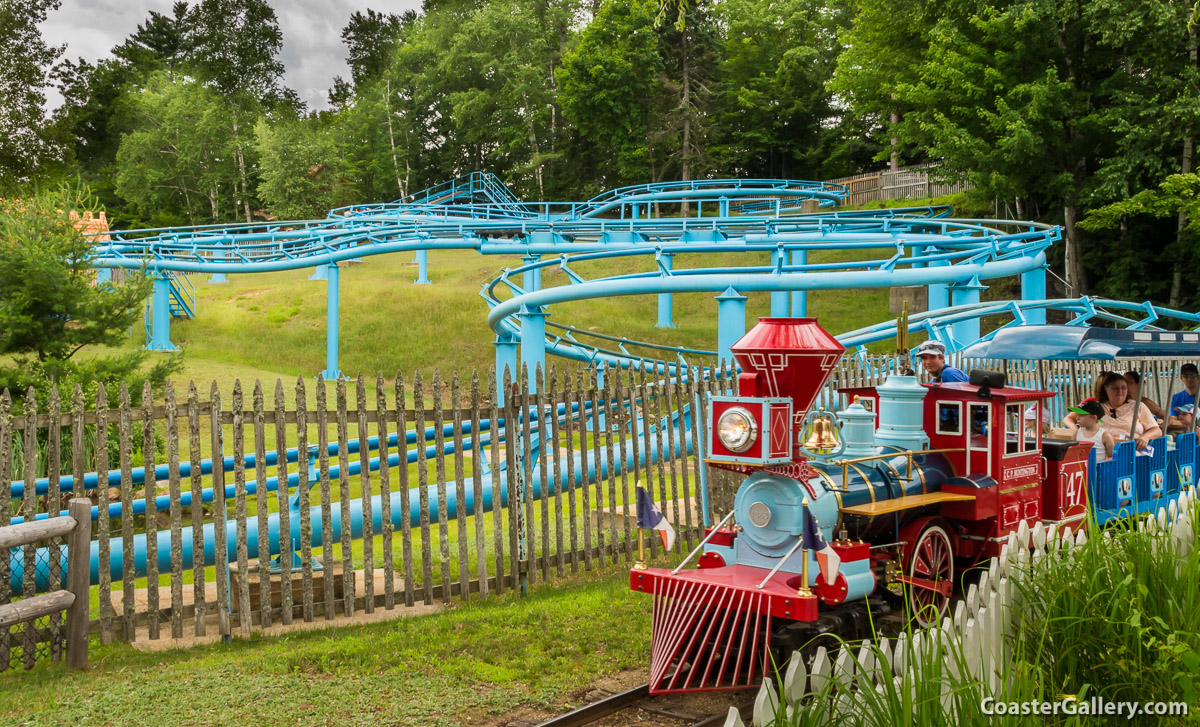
[[79, 551]]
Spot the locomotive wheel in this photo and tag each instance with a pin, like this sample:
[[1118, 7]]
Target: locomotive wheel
[[929, 580]]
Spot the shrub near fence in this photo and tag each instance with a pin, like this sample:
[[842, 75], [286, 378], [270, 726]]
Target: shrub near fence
[[604, 439]]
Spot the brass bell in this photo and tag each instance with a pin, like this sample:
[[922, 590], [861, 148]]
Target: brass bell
[[823, 435]]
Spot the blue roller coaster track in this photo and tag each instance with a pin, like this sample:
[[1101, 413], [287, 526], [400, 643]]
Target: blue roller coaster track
[[916, 246]]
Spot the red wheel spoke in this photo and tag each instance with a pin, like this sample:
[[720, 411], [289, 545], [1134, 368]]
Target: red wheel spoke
[[931, 576]]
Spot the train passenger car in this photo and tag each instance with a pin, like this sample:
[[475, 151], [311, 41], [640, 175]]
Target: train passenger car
[[923, 482], [1130, 483]]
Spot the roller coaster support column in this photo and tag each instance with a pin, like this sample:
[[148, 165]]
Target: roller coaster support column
[[731, 322], [220, 277], [939, 293], [331, 372], [1033, 287], [966, 293], [531, 279], [799, 297], [779, 298], [506, 357], [422, 268], [103, 275], [665, 301], [533, 341], [160, 315]]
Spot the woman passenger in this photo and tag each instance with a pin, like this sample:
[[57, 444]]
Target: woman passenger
[[1134, 380], [1112, 391]]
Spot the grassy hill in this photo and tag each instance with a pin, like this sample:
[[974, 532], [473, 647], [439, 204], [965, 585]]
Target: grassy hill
[[273, 324]]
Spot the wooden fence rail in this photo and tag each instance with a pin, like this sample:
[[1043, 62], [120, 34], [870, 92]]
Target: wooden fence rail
[[469, 486], [456, 497], [77, 528]]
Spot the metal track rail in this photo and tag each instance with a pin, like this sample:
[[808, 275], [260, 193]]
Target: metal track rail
[[638, 698], [600, 708]]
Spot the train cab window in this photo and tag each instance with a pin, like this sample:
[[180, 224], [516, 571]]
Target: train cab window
[[949, 419], [1016, 440], [979, 453], [979, 420]]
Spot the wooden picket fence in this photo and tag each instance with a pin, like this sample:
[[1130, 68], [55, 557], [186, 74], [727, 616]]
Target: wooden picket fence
[[975, 644], [606, 435], [351, 565]]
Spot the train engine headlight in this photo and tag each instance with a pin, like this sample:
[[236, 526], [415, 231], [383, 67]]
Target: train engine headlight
[[737, 429]]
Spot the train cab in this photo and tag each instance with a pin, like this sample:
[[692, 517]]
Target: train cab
[[988, 432], [981, 429]]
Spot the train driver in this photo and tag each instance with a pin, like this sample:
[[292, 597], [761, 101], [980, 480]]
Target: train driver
[[933, 360]]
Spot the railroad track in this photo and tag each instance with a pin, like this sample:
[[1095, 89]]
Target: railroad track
[[665, 709]]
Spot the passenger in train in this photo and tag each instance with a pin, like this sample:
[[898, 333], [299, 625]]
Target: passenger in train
[[933, 360], [1134, 380], [1183, 403], [1088, 415], [1112, 392]]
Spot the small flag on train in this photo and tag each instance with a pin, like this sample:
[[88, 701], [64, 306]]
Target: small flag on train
[[650, 518], [826, 556]]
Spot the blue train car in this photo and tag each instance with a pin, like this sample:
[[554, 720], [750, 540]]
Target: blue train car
[[1129, 484]]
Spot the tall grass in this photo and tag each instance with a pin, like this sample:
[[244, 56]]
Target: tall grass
[[1117, 617]]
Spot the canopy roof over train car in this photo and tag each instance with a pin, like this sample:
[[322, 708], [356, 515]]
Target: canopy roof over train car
[[1072, 343]]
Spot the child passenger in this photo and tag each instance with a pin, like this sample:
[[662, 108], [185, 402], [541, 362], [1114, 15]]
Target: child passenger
[[1088, 416]]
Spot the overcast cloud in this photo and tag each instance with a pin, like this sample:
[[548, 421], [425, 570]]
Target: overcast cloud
[[312, 35]]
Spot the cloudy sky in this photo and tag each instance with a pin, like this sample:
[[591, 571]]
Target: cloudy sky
[[312, 44]]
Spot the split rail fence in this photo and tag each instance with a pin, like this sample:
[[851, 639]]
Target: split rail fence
[[39, 617], [179, 532]]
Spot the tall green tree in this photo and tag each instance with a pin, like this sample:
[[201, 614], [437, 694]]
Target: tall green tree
[[51, 307], [179, 164], [371, 40], [612, 94], [303, 175], [776, 115], [94, 113], [27, 149], [1031, 99], [232, 46]]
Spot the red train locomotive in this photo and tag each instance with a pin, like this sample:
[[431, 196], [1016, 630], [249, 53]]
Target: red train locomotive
[[924, 480]]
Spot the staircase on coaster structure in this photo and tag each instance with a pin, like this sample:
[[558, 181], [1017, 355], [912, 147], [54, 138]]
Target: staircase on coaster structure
[[470, 189], [183, 295]]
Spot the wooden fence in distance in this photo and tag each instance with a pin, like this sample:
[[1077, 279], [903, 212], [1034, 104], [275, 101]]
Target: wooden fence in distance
[[905, 183]]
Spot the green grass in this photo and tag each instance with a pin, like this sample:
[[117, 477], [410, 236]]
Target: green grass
[[451, 668], [264, 326]]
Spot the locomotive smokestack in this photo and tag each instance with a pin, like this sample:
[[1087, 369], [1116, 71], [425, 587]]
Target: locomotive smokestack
[[788, 357]]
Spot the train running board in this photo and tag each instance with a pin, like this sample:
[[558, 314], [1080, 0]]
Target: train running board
[[708, 637]]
